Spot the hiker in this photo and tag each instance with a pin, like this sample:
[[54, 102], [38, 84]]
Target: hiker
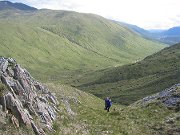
[[108, 103]]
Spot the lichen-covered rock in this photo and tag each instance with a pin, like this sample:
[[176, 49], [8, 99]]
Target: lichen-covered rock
[[26, 97]]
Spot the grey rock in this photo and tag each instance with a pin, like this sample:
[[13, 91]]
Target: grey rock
[[7, 80], [42, 110], [1, 73], [15, 121], [3, 103], [10, 72], [170, 102], [43, 99], [2, 116], [51, 113], [3, 64], [169, 97], [40, 88], [52, 98], [18, 89], [16, 108], [35, 129], [26, 97], [11, 60]]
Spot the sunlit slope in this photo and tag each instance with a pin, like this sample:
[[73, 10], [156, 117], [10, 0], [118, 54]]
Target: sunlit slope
[[43, 51], [62, 41]]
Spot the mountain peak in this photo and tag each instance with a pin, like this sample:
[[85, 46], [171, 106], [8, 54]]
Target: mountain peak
[[13, 6], [173, 31]]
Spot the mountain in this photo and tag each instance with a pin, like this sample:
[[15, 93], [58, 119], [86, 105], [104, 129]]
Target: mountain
[[67, 43], [138, 30], [173, 31], [170, 36], [4, 5], [129, 83]]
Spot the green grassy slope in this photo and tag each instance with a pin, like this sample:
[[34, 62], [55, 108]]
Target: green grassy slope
[[129, 83], [89, 116], [45, 52], [57, 45], [82, 113]]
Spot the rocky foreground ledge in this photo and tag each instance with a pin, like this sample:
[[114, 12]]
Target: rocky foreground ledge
[[27, 100]]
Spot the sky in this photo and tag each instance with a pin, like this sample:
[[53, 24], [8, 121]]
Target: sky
[[148, 14]]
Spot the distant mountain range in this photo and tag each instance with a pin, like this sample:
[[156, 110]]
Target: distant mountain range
[[4, 5], [170, 36], [172, 31]]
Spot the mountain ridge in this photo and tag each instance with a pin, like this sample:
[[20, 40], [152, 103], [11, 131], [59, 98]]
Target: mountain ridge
[[173, 31], [169, 36], [4, 5]]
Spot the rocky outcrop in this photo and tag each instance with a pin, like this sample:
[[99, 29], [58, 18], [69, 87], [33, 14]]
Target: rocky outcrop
[[26, 99], [170, 97]]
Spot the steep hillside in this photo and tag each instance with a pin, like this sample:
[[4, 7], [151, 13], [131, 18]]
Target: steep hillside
[[68, 43], [143, 117], [129, 83]]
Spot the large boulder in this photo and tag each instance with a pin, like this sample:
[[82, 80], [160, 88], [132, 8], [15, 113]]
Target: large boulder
[[26, 98]]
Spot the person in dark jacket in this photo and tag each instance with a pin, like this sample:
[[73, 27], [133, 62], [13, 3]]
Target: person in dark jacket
[[108, 103]]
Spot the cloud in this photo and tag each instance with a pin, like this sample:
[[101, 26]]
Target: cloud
[[144, 13]]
